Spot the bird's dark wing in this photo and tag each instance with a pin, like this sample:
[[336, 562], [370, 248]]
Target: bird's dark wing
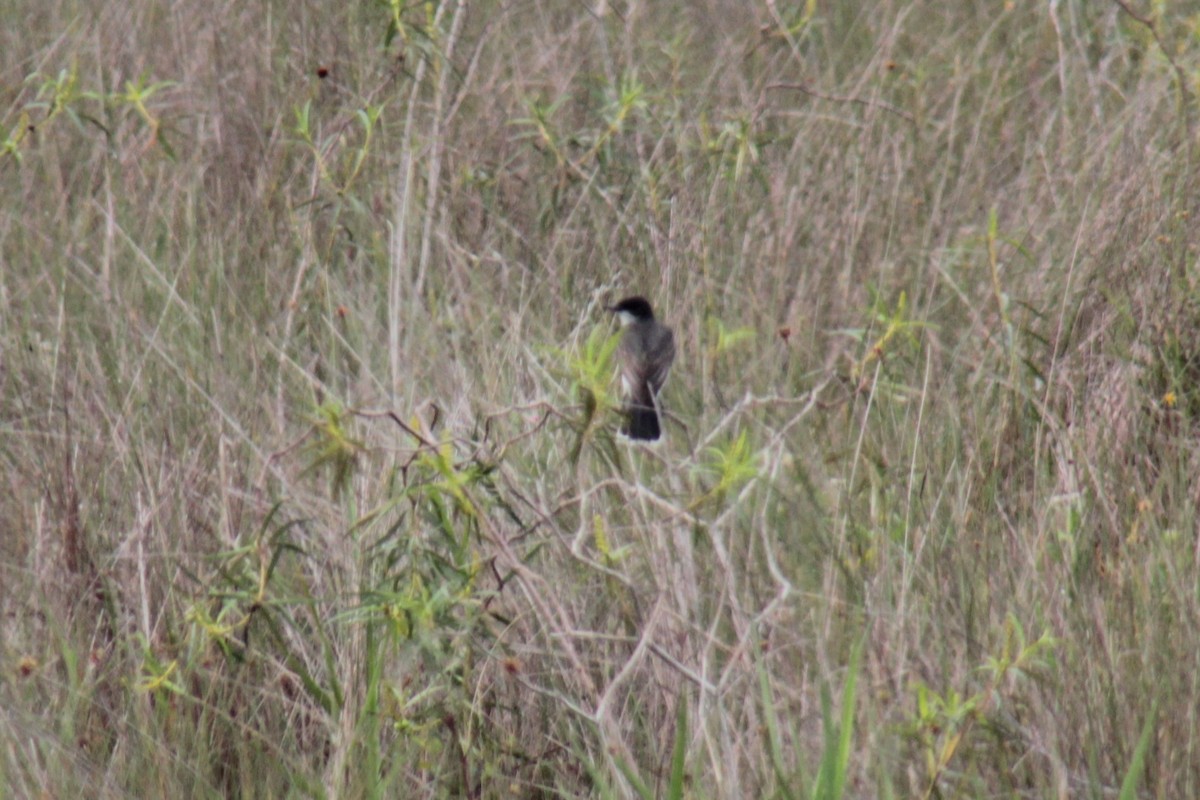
[[661, 350], [646, 352]]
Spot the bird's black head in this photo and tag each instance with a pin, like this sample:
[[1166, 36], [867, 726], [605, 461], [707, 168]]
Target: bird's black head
[[637, 308]]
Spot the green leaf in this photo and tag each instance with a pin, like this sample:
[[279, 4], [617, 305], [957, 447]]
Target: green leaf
[[679, 757], [1133, 775]]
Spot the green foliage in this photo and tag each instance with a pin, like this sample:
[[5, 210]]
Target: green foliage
[[427, 577], [832, 769], [64, 94], [137, 95], [325, 150], [725, 339], [1137, 763], [591, 370], [839, 734], [252, 605], [54, 96], [410, 23], [331, 447], [728, 468], [626, 99], [541, 127], [736, 146], [678, 780], [944, 720], [895, 323]]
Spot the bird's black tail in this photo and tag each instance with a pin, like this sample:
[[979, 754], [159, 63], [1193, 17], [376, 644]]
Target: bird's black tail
[[642, 423]]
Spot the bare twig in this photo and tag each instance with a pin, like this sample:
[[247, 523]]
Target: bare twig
[[800, 87]]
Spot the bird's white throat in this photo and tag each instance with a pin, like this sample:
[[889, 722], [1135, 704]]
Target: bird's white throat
[[626, 318]]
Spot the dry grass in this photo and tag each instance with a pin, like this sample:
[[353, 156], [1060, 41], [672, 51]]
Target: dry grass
[[309, 478]]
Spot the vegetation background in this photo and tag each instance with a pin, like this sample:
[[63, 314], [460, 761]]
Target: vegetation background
[[310, 487]]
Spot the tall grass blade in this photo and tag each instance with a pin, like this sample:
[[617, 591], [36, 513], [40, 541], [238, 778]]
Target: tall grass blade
[[679, 757], [835, 761], [1137, 764]]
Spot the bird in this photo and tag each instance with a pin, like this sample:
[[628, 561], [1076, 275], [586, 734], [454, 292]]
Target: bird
[[645, 354]]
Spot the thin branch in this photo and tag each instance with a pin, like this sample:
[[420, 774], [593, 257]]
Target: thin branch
[[800, 87]]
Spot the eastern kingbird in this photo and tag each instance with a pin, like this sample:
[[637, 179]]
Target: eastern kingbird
[[646, 352]]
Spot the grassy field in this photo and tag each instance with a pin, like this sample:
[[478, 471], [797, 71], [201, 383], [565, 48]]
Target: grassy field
[[309, 481]]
